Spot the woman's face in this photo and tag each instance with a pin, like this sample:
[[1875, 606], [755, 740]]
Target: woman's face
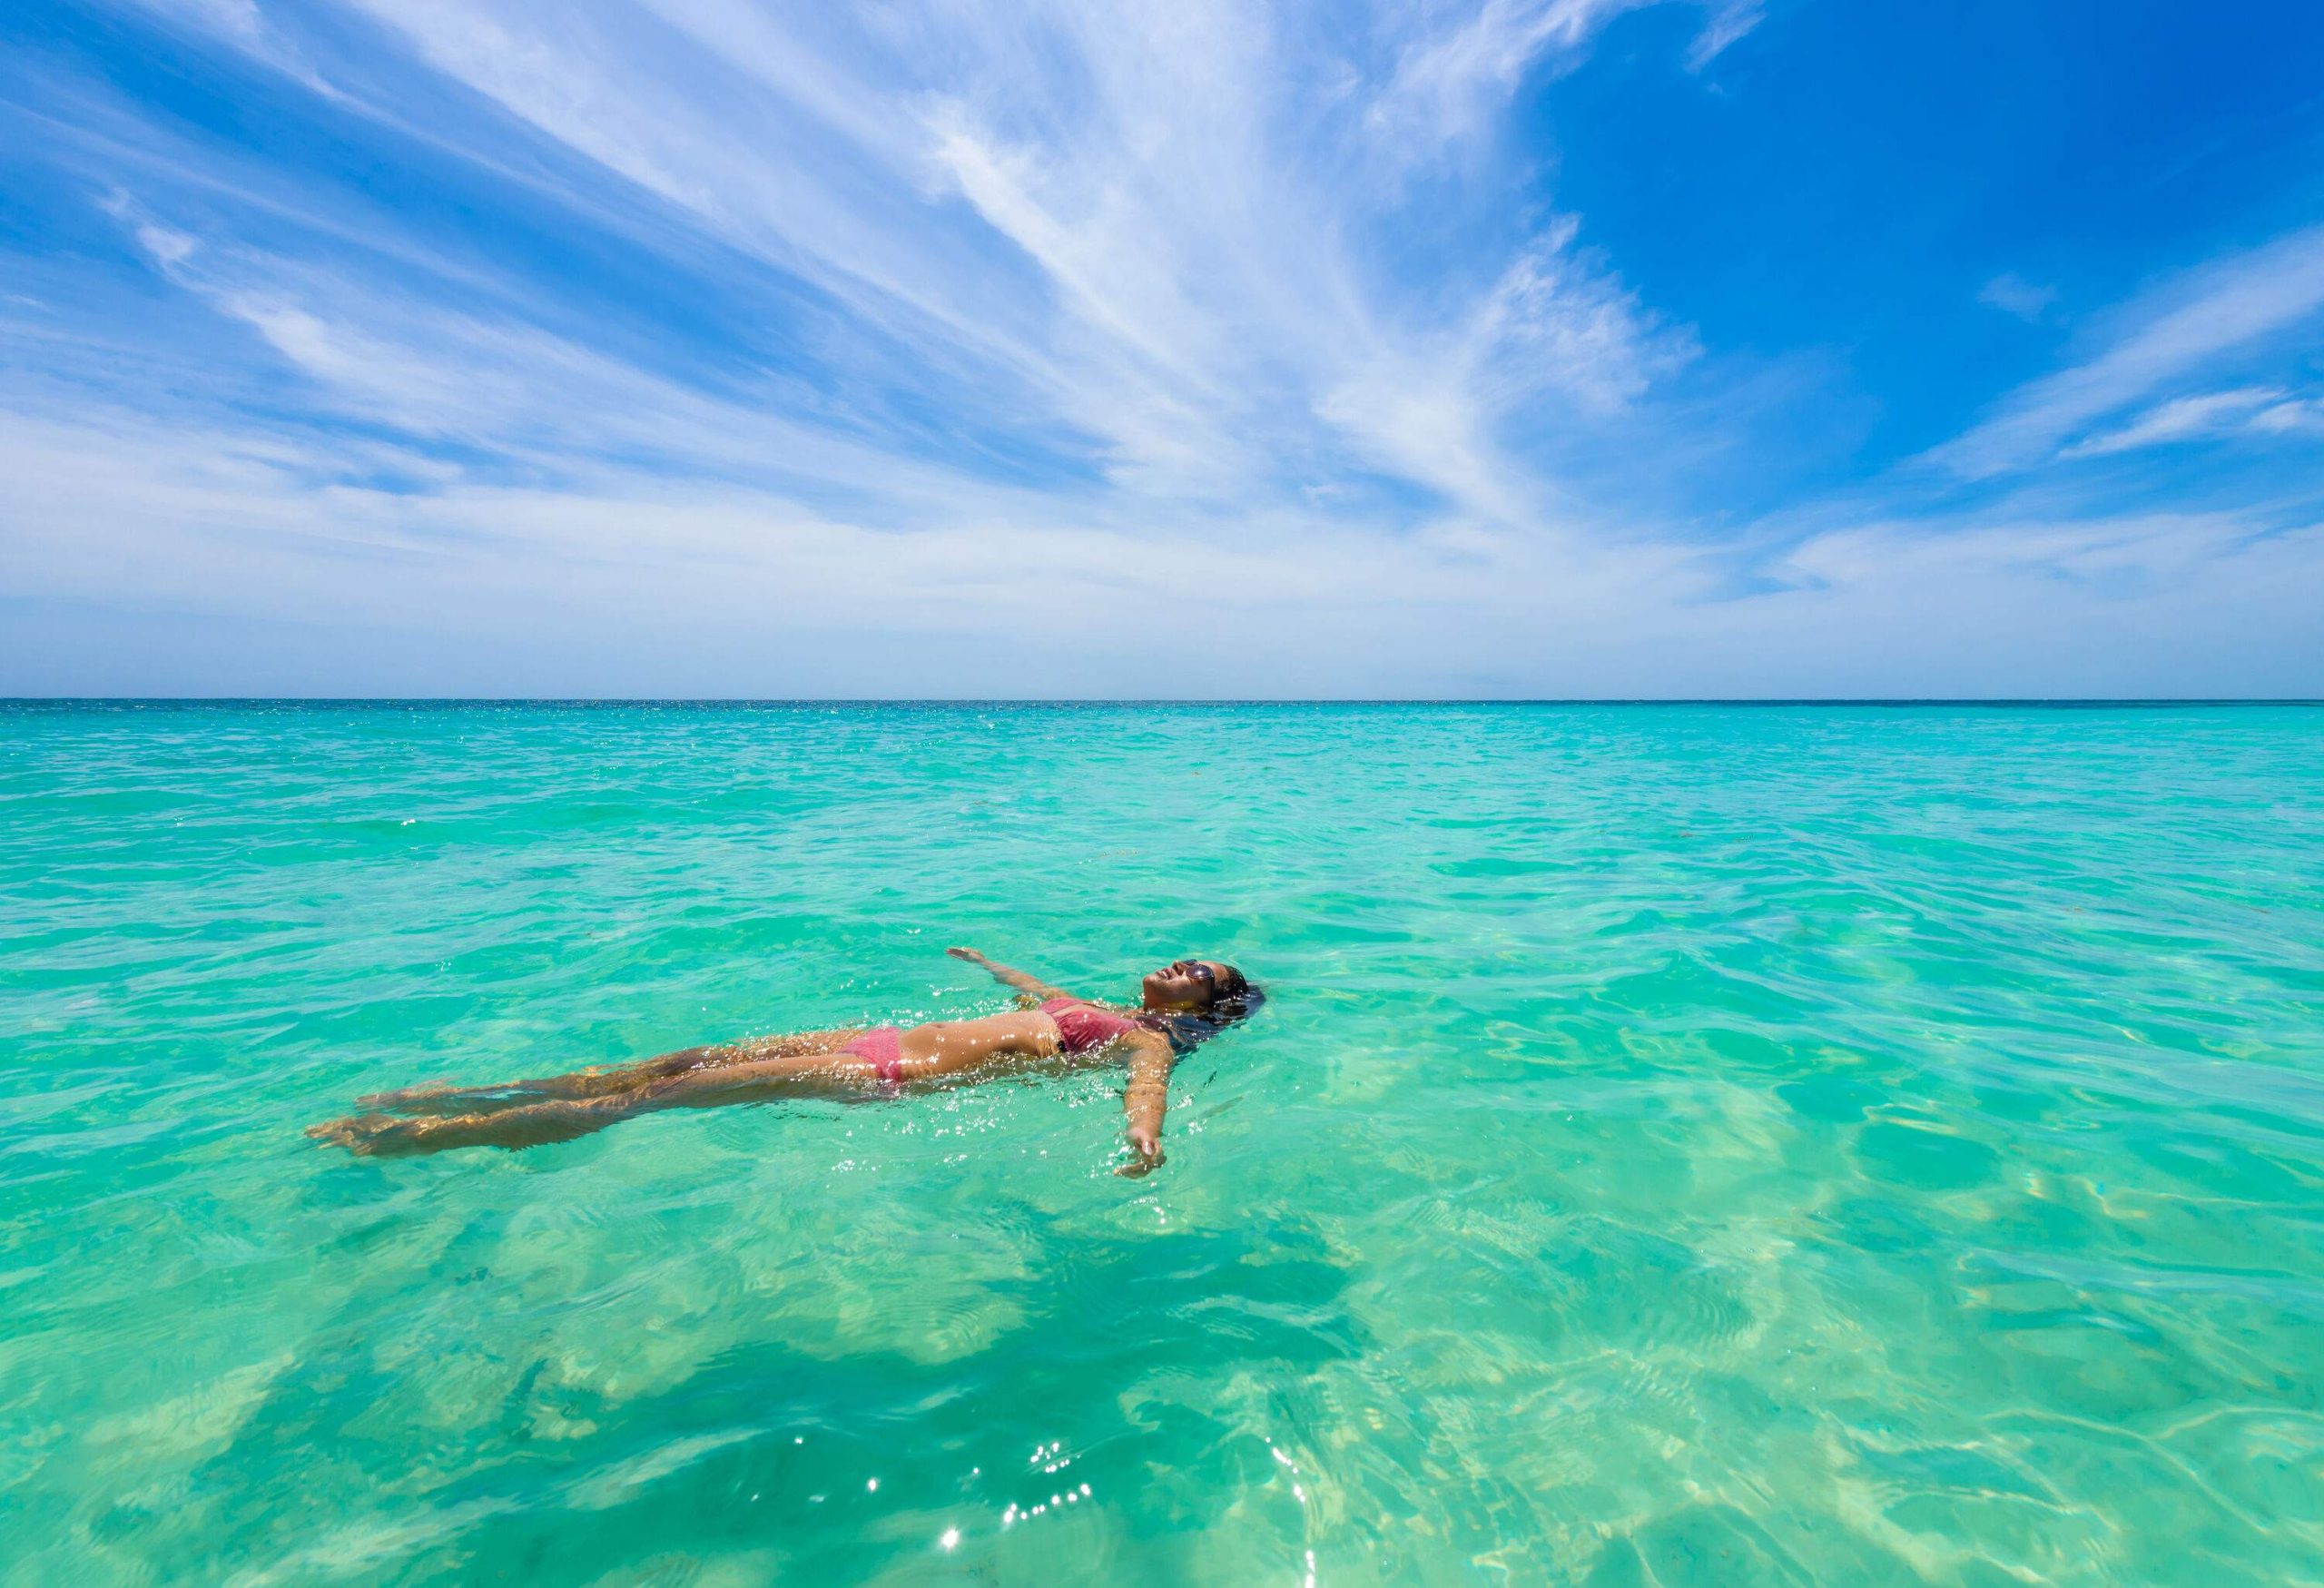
[[1182, 984]]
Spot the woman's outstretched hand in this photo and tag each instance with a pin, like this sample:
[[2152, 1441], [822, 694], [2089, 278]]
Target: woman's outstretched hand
[[971, 955], [1149, 1149]]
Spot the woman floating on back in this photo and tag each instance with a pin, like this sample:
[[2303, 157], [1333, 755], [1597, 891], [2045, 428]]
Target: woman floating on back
[[1184, 1002]]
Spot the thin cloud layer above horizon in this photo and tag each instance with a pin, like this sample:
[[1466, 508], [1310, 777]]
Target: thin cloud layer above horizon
[[1585, 347]]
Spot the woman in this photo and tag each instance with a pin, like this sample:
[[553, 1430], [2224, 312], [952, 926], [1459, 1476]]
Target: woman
[[1184, 1002]]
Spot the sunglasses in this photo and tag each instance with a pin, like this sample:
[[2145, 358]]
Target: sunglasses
[[1197, 970]]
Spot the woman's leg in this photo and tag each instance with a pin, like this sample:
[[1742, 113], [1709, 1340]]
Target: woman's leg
[[598, 1082], [537, 1123]]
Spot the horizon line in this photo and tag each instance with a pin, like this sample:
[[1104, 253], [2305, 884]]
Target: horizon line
[[1068, 701]]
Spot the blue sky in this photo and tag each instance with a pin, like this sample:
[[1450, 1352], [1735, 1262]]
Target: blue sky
[[1540, 348]]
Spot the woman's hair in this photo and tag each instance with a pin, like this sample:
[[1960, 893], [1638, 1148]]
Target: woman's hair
[[1234, 998]]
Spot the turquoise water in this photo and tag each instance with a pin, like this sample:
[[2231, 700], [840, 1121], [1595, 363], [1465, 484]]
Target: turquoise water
[[1685, 1145]]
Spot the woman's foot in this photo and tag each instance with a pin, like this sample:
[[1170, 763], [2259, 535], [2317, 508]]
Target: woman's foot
[[373, 1135]]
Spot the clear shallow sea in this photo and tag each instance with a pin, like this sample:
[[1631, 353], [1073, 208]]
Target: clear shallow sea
[[1685, 1145]]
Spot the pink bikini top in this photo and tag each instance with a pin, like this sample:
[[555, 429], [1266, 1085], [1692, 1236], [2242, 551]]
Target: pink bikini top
[[1082, 1026]]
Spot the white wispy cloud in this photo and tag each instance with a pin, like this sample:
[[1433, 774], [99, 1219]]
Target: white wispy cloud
[[1454, 75], [1448, 83], [1552, 327], [2013, 294], [245, 25], [1108, 215], [2266, 410], [2177, 332], [1726, 24], [730, 590]]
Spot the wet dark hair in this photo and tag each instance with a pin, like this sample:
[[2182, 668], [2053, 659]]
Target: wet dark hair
[[1235, 998]]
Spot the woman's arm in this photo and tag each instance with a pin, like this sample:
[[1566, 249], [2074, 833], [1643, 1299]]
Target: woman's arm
[[1146, 1097], [1032, 987]]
